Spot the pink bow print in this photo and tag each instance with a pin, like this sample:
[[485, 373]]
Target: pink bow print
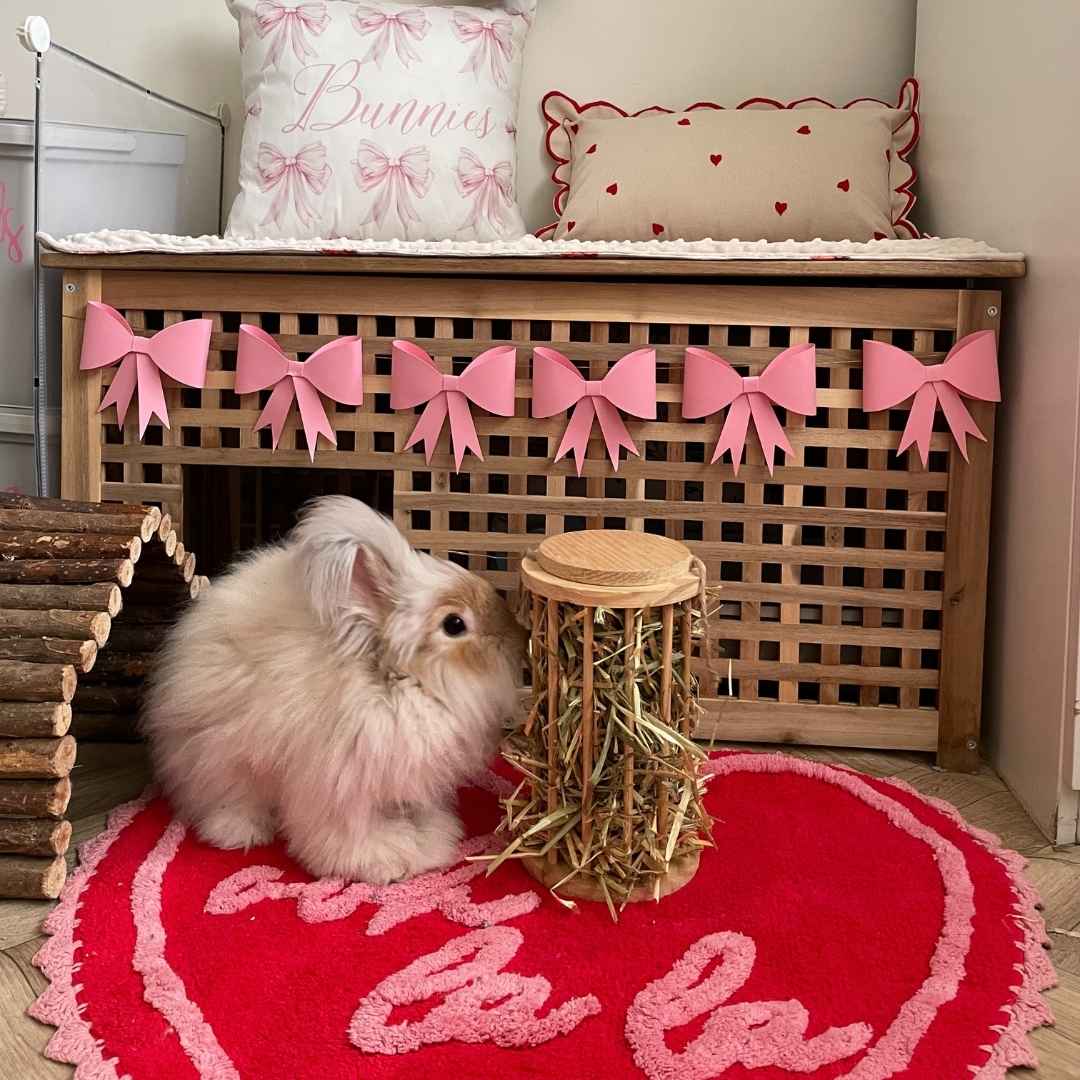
[[490, 189], [178, 350], [289, 24], [630, 385], [891, 375], [395, 179], [391, 29], [492, 45], [488, 381], [710, 383], [294, 177], [335, 370]]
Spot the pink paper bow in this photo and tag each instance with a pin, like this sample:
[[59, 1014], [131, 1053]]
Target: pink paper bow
[[395, 178], [710, 383], [335, 370], [289, 24], [178, 350], [492, 44], [630, 385], [490, 189], [294, 177], [488, 381], [891, 375], [391, 29]]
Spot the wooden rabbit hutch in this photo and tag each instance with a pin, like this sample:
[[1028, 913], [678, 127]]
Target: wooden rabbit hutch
[[86, 591], [853, 600]]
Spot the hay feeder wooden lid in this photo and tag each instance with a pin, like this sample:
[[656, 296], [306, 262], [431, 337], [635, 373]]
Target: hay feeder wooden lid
[[611, 568]]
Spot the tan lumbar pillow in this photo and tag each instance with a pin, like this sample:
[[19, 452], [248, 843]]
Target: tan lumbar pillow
[[761, 171]]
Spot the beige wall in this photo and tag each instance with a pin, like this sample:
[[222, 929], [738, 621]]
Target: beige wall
[[1000, 160], [637, 53], [634, 52]]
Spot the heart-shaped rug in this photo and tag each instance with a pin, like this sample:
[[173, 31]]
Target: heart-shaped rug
[[843, 926]]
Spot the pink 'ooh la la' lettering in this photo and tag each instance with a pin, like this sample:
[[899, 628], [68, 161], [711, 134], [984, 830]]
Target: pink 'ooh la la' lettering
[[754, 1034], [480, 1001]]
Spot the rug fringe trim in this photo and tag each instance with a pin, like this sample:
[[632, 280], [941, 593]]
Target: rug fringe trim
[[73, 1042], [1013, 1048]]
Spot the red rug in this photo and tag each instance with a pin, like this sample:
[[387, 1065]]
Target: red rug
[[844, 926]]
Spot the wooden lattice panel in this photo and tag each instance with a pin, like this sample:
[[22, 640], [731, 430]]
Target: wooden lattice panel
[[835, 569]]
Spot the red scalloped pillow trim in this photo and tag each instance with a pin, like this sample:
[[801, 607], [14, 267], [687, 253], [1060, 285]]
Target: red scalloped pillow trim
[[907, 99]]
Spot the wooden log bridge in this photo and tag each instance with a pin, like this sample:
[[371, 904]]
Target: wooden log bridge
[[87, 590]]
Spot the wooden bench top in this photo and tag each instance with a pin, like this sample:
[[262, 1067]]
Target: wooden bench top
[[583, 266]]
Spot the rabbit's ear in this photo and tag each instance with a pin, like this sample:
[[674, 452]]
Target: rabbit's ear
[[353, 559], [371, 586]]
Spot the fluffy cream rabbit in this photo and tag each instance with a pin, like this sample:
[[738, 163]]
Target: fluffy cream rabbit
[[336, 687]]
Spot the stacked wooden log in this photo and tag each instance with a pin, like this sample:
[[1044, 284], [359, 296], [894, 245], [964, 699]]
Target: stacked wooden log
[[74, 578]]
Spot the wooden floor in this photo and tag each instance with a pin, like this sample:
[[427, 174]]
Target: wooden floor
[[107, 775]]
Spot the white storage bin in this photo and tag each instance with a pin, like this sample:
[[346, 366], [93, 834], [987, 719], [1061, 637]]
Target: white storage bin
[[91, 178]]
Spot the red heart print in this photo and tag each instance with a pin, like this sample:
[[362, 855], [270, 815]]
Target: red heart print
[[716, 158], [657, 229], [574, 128], [879, 236], [844, 185], [612, 189], [684, 122], [780, 207], [592, 149], [570, 226], [804, 130]]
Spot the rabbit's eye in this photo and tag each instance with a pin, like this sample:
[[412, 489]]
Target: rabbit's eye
[[453, 626]]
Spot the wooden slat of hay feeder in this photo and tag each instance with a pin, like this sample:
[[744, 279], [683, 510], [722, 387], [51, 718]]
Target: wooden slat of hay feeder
[[67, 571], [611, 809]]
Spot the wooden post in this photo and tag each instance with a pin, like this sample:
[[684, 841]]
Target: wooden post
[[33, 879], [629, 623], [666, 659], [34, 719], [80, 430], [587, 719], [552, 705], [967, 553], [686, 645], [34, 798], [34, 837]]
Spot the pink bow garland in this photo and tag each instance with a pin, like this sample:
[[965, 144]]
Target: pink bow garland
[[891, 375], [630, 385], [179, 350], [710, 383], [391, 29], [395, 178], [294, 177], [289, 24], [490, 189], [488, 381], [492, 44], [335, 370]]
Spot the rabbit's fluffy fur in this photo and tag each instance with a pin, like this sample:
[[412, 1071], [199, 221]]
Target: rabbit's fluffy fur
[[319, 689]]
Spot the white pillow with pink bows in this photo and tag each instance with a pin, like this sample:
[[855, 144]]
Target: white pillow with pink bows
[[379, 120]]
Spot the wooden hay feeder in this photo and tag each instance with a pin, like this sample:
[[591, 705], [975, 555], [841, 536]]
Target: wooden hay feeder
[[613, 806], [67, 571]]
